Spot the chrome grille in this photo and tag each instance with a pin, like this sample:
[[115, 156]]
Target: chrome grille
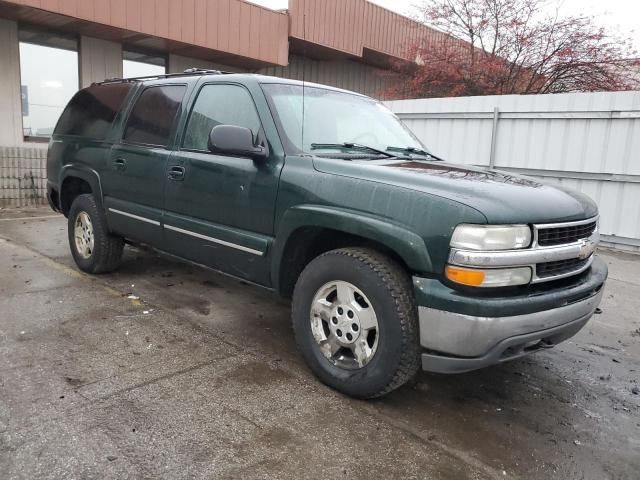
[[560, 267], [558, 250], [558, 235], [566, 234]]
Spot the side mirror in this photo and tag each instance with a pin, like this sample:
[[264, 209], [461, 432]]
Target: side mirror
[[234, 140]]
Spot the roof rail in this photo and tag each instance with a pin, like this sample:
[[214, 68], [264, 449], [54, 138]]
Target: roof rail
[[187, 73], [203, 70]]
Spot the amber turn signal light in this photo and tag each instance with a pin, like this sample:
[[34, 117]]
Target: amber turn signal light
[[473, 278]]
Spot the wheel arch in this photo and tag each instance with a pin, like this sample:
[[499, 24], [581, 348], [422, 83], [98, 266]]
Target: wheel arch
[[74, 181], [310, 230]]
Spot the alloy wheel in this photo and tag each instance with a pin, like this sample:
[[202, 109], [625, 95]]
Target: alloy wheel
[[83, 234], [344, 325]]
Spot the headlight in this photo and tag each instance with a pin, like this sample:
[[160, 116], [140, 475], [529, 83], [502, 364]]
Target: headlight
[[491, 237], [495, 277]]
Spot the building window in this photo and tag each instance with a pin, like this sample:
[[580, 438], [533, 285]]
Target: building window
[[137, 64], [49, 78]]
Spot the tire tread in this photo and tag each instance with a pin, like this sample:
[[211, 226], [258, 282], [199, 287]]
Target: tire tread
[[398, 284], [107, 247]]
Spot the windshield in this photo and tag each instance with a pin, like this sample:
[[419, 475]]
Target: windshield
[[333, 118]]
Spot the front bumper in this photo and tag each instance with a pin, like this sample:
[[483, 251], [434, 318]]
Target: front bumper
[[476, 331]]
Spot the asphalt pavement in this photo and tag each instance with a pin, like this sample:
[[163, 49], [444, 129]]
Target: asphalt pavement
[[168, 370]]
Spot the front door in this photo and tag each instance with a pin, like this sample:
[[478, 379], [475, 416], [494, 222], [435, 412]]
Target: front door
[[220, 209], [134, 177]]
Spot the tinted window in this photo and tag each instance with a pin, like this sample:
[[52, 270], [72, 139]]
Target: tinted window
[[92, 110], [151, 120], [219, 105]]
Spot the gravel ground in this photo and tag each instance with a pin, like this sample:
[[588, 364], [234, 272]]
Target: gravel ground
[[164, 369]]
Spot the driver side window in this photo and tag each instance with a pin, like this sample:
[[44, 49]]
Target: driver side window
[[219, 105]]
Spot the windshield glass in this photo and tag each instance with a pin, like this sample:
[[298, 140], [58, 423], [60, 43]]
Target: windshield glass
[[332, 117]]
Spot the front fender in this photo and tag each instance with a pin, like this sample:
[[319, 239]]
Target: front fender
[[404, 242]]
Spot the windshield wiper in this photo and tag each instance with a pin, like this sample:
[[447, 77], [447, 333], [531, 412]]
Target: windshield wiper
[[417, 151], [352, 146]]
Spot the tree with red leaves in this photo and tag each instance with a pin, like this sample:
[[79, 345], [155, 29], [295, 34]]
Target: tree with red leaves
[[496, 47]]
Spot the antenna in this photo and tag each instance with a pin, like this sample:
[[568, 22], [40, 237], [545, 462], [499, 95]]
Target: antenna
[[304, 71]]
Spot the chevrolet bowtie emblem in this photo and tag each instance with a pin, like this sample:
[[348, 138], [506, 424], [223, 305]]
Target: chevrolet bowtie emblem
[[586, 249]]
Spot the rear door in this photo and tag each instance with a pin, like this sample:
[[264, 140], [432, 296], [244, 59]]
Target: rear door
[[134, 177], [220, 208]]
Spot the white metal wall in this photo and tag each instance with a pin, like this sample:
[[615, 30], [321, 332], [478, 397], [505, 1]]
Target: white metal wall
[[586, 141]]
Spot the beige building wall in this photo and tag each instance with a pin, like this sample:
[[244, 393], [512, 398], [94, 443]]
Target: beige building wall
[[179, 63], [99, 59], [10, 103], [236, 27], [346, 74]]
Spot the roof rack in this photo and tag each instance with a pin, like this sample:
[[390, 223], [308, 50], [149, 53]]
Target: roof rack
[[187, 73]]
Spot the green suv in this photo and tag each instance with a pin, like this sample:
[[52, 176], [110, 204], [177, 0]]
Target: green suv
[[394, 259]]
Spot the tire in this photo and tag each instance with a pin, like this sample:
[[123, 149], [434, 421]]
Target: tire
[[104, 253], [379, 283]]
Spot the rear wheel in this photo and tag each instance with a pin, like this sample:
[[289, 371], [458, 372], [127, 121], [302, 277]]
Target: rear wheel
[[94, 249], [355, 322]]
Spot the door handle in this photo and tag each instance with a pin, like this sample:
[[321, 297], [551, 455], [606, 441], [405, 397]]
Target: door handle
[[176, 173], [120, 164]]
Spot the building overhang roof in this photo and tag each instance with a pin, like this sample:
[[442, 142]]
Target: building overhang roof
[[234, 32]]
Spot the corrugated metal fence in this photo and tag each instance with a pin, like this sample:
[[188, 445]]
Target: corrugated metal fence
[[586, 141]]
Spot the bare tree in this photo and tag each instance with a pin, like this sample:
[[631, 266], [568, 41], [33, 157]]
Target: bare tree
[[493, 47]]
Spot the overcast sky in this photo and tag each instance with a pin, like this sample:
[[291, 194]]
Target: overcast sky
[[622, 15]]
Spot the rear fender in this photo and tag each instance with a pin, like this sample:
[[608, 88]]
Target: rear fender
[[87, 174]]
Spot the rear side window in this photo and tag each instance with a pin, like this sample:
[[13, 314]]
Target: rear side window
[[152, 118], [91, 111], [219, 105]]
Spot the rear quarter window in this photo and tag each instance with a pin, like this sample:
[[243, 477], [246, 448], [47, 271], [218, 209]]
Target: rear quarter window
[[152, 118], [91, 111]]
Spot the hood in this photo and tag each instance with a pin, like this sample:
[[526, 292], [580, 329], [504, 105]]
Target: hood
[[500, 196]]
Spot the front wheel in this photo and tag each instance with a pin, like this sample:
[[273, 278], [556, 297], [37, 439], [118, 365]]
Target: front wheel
[[355, 322], [94, 249]]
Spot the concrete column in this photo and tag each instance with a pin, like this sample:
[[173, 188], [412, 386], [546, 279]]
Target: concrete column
[[99, 60], [22, 165], [10, 102]]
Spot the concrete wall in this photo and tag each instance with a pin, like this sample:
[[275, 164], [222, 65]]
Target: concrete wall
[[23, 176]]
